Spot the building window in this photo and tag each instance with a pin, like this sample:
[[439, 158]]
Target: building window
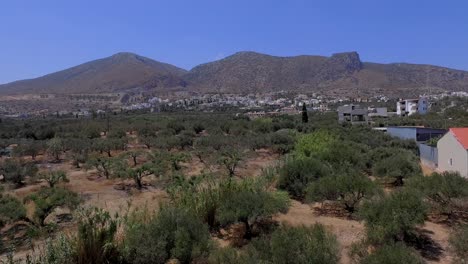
[[451, 162]]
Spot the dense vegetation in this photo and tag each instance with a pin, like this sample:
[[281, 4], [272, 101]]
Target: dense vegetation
[[345, 168]]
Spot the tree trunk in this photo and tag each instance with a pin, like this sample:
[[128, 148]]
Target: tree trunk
[[138, 183], [398, 181], [248, 230]]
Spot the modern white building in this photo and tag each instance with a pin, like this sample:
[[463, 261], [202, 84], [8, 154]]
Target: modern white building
[[409, 107]]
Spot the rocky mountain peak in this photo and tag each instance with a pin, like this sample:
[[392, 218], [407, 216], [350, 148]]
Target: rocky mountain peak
[[350, 61]]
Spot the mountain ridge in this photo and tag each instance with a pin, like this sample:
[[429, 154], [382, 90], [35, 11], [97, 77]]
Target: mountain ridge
[[121, 71], [341, 74]]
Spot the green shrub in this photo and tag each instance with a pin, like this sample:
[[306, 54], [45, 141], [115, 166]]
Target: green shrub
[[443, 191], [297, 173], [93, 243], [173, 233], [347, 188], [11, 210], [459, 243], [391, 254], [54, 177], [176, 126], [399, 167], [317, 144], [198, 128], [392, 218], [15, 171], [47, 199], [247, 206], [298, 245], [95, 239]]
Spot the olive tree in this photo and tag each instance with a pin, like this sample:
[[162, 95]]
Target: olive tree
[[230, 160], [79, 150], [29, 148], [392, 253], [349, 189], [174, 233], [399, 167], [299, 245], [15, 171], [247, 206], [137, 173], [55, 147], [11, 209], [53, 177], [393, 217], [297, 173], [104, 165], [444, 191]]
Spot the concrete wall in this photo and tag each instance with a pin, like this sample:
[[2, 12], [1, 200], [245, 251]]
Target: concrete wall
[[428, 155], [452, 155]]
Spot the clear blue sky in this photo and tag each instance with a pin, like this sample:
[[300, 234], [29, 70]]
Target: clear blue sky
[[40, 37]]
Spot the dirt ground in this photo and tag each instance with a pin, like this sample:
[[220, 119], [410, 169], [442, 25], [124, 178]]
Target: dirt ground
[[347, 231], [100, 192], [350, 231]]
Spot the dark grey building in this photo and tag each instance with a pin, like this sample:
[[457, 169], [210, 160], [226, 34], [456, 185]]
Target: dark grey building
[[352, 114]]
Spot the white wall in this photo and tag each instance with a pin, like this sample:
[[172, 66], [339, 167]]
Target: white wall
[[451, 150]]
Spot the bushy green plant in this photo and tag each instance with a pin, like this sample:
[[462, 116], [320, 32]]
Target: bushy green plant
[[459, 243], [173, 233], [54, 177], [55, 147], [47, 199], [444, 191], [393, 217], [11, 210], [399, 167], [391, 254], [93, 243], [15, 171], [348, 188], [198, 128], [95, 240], [297, 173], [316, 144], [301, 245], [247, 206]]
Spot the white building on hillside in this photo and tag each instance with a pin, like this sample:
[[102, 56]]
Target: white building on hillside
[[409, 107]]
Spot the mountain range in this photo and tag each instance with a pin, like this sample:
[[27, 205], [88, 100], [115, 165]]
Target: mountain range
[[342, 74]]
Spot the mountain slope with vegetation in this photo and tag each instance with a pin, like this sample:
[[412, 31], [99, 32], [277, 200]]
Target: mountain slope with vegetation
[[120, 72], [342, 74]]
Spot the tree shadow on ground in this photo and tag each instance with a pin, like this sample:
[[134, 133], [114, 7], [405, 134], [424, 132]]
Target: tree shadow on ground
[[422, 242]]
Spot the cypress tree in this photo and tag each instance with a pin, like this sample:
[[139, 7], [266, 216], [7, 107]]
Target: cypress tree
[[305, 117]]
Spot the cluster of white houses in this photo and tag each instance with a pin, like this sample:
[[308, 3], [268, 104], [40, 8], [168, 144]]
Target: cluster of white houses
[[451, 153]]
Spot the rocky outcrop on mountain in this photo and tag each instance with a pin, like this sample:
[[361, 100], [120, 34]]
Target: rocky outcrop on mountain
[[342, 74]]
